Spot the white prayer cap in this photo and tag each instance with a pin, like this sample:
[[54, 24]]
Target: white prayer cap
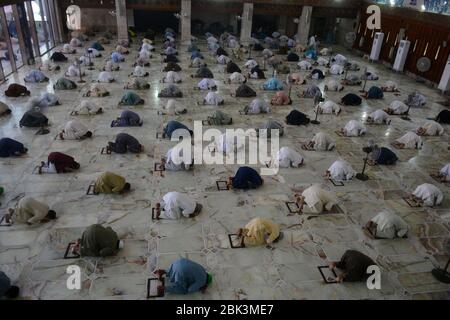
[[120, 244]]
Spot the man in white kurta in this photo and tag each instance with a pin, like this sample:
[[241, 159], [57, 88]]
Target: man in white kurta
[[387, 225], [173, 108], [288, 157], [206, 84], [329, 107], [88, 108], [304, 65], [390, 86], [409, 140], [428, 194], [444, 173], [237, 78], [340, 59], [336, 69], [430, 128], [267, 53], [30, 211], [315, 200], [257, 106], [105, 77], [250, 64], [73, 71], [333, 85], [75, 130], [213, 99], [172, 77], [222, 59], [340, 170], [174, 160], [229, 143], [139, 72], [354, 128], [378, 117], [320, 142], [397, 107], [175, 205]]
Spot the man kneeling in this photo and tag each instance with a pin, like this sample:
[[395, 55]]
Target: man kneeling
[[185, 276], [260, 231], [98, 241], [30, 211], [175, 205], [109, 182], [387, 225], [59, 162], [125, 142]]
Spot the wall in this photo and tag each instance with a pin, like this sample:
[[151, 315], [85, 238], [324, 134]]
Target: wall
[[344, 26], [98, 18], [425, 30]]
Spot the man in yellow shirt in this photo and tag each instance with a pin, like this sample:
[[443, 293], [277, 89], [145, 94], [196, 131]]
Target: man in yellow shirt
[[109, 182], [260, 231]]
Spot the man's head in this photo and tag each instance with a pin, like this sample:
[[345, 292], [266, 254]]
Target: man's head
[[126, 187], [76, 165], [88, 134], [24, 150], [51, 215]]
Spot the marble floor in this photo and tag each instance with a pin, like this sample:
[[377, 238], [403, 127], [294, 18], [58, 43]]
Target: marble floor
[[33, 256]]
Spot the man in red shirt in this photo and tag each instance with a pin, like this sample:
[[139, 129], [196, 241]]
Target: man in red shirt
[[59, 162]]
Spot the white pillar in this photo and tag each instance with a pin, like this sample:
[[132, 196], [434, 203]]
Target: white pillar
[[122, 25], [185, 21], [246, 23], [304, 25]]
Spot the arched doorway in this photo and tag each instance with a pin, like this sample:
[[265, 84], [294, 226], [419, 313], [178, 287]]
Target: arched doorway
[[73, 14]]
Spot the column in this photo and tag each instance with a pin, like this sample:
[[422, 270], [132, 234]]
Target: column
[[33, 28], [23, 32], [304, 25], [122, 25], [185, 21], [282, 24], [246, 23], [59, 21]]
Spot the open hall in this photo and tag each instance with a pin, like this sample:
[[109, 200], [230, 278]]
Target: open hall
[[213, 149]]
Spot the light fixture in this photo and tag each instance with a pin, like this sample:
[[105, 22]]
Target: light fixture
[[238, 17], [296, 20]]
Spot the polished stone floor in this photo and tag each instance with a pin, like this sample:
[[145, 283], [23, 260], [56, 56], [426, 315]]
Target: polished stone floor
[[33, 256]]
